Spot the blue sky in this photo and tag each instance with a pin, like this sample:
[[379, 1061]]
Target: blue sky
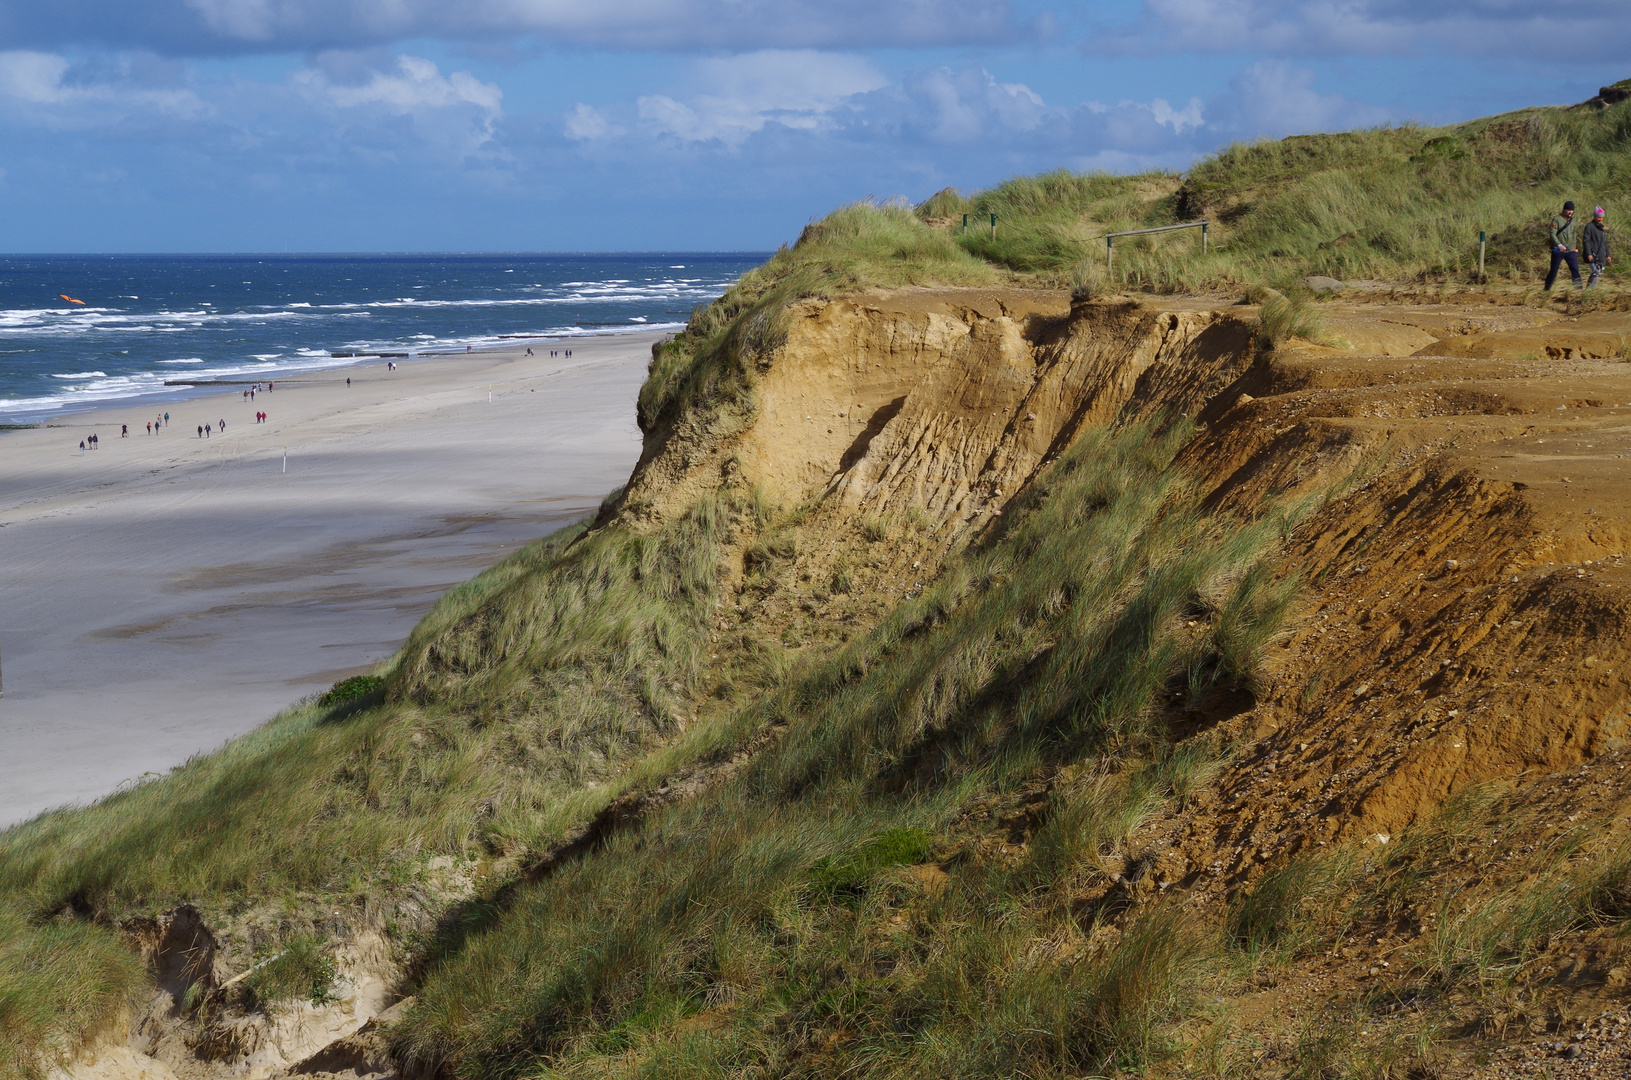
[[540, 125]]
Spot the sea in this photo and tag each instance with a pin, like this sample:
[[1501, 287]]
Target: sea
[[146, 322]]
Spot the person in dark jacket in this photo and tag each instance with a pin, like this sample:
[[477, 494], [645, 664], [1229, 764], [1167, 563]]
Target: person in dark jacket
[[1594, 246], [1565, 246]]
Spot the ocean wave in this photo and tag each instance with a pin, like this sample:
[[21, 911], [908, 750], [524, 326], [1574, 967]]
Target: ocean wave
[[82, 375]]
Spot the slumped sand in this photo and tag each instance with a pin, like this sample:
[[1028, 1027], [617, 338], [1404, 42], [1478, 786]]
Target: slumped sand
[[165, 593]]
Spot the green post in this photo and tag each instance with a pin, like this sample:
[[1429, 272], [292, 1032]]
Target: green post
[[1203, 238], [1109, 254], [1482, 240], [965, 223], [993, 226]]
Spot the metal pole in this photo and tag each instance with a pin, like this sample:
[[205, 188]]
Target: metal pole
[[1482, 239], [1109, 253], [993, 226], [1203, 238], [285, 459]]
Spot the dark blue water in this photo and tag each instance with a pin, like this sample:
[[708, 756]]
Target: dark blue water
[[151, 318]]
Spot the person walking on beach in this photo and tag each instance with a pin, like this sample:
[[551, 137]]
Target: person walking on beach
[[1565, 246], [200, 431], [81, 446], [166, 419], [1594, 246], [124, 431]]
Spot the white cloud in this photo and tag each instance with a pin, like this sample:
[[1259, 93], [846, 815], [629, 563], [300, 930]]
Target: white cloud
[[50, 89], [457, 112], [1272, 98], [585, 123], [1538, 29], [417, 84], [796, 89]]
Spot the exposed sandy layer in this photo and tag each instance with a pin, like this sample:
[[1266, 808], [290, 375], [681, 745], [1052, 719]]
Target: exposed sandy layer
[[166, 593]]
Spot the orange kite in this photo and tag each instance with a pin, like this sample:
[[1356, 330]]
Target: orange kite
[[70, 299]]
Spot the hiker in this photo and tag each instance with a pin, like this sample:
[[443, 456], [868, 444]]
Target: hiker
[[1594, 246], [1565, 246]]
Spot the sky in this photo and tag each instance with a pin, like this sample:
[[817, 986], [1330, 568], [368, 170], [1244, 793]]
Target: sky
[[615, 125]]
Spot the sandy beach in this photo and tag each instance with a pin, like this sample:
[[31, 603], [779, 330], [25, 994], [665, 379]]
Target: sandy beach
[[165, 593]]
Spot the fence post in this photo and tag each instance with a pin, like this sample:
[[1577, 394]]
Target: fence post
[[1109, 254], [1482, 238], [1203, 238], [993, 226], [965, 223]]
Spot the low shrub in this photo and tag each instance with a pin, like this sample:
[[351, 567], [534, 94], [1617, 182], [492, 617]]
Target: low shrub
[[348, 690]]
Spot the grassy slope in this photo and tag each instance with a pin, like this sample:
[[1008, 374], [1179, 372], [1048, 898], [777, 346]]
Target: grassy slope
[[533, 695]]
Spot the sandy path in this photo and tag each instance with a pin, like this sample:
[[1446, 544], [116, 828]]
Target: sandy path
[[165, 593]]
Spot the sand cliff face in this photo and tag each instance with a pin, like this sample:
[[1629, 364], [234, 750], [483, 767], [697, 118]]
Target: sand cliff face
[[941, 404], [1465, 608]]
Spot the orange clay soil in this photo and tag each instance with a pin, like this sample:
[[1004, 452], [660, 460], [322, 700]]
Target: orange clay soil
[[1464, 622]]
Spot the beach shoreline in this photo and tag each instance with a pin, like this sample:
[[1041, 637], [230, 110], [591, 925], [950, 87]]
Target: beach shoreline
[[17, 414], [167, 592]]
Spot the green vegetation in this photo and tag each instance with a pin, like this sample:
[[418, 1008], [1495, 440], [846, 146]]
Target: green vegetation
[[61, 984], [778, 905], [1395, 204], [349, 690], [301, 970]]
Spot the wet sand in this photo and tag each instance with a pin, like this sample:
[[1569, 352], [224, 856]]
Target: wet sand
[[165, 593]]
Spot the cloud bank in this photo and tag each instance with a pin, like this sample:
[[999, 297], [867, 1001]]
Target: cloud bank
[[202, 27], [1549, 30]]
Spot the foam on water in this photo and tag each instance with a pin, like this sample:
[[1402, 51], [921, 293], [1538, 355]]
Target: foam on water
[[265, 316]]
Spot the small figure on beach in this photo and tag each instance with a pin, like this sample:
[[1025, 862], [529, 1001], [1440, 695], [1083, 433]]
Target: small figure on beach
[[124, 431], [81, 446], [167, 419], [221, 427], [94, 441], [150, 427], [348, 380], [468, 349], [529, 350], [200, 431]]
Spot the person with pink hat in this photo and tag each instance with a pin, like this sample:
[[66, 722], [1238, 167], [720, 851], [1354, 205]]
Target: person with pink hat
[[1594, 246]]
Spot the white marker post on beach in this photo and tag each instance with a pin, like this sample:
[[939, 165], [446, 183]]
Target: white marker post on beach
[[285, 457], [489, 393]]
